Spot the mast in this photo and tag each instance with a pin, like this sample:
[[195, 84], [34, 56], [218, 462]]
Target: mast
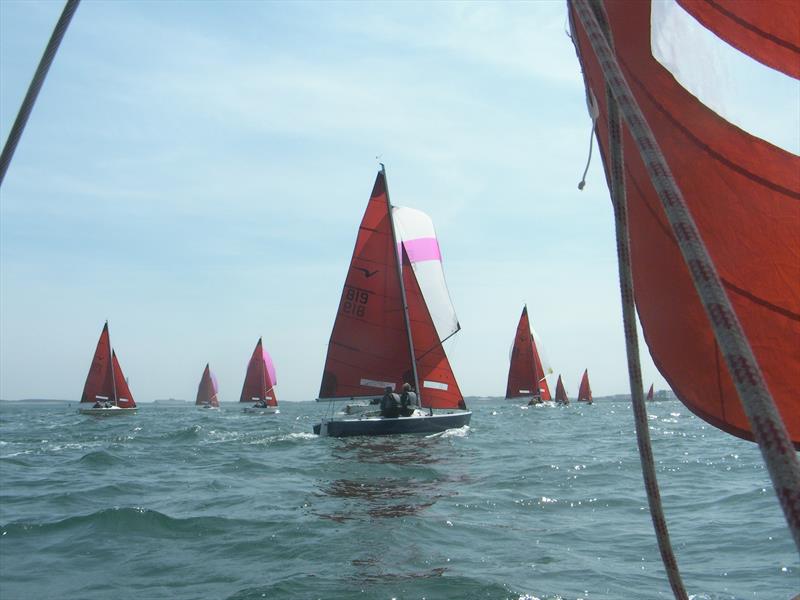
[[111, 362], [402, 287], [263, 368]]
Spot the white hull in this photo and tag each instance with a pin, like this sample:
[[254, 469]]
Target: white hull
[[269, 410], [106, 412]]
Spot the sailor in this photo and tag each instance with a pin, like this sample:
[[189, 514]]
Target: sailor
[[408, 401], [390, 404]]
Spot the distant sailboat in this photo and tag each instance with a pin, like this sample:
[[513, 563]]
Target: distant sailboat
[[650, 394], [527, 370], [259, 383], [561, 393], [585, 391], [106, 390], [207, 390], [394, 313]]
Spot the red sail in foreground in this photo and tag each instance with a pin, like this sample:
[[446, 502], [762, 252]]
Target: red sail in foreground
[[260, 378], [439, 388], [561, 393], [207, 390], [650, 393], [105, 381], [744, 195], [585, 391], [369, 347], [526, 373]]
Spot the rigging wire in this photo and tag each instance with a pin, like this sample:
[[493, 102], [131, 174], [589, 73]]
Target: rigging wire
[[36, 85]]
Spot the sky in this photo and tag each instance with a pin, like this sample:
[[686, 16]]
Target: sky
[[195, 173]]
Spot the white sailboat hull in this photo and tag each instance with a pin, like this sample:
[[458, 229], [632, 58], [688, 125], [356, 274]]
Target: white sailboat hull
[[106, 412]]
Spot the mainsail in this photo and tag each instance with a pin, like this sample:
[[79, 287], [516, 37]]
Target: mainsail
[[585, 391], [650, 393], [527, 369], [561, 393], [105, 381], [741, 190], [260, 378], [208, 389], [396, 266]]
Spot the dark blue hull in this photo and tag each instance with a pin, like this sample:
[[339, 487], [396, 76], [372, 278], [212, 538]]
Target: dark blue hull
[[380, 426]]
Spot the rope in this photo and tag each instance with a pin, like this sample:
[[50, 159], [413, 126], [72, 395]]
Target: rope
[[768, 428], [36, 86], [619, 200]]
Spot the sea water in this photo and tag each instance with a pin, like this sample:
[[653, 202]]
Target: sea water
[[542, 502]]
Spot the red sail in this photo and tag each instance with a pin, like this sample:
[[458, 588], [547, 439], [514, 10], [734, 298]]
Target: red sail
[[743, 193], [124, 396], [207, 390], [650, 393], [585, 391], [258, 382], [525, 373], [561, 393], [438, 386], [369, 347], [99, 382]]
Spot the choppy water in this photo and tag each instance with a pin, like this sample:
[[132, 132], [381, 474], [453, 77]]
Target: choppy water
[[539, 503]]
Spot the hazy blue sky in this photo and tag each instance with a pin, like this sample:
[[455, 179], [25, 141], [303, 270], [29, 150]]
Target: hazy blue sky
[[195, 173]]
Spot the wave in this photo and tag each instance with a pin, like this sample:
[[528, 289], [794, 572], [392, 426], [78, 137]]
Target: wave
[[100, 458], [127, 521], [457, 432]]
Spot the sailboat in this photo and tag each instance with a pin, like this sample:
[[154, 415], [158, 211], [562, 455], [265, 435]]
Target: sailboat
[[106, 390], [394, 314], [561, 393], [207, 390], [259, 383], [650, 394], [527, 370], [705, 196], [585, 390]]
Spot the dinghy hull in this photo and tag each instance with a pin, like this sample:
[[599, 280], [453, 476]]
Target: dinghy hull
[[435, 423], [107, 412]]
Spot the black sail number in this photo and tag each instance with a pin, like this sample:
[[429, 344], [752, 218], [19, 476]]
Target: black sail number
[[355, 301]]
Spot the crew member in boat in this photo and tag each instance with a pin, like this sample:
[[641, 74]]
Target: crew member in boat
[[408, 401], [390, 404]]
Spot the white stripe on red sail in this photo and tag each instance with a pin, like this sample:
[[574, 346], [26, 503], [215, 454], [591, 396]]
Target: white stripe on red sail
[[739, 88]]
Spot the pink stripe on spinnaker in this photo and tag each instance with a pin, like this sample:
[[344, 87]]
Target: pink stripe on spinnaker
[[270, 366], [422, 249]]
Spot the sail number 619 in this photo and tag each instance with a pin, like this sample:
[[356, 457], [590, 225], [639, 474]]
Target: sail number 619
[[355, 302]]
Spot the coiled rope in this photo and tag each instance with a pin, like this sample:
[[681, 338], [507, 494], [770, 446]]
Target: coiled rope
[[36, 85], [768, 428]]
